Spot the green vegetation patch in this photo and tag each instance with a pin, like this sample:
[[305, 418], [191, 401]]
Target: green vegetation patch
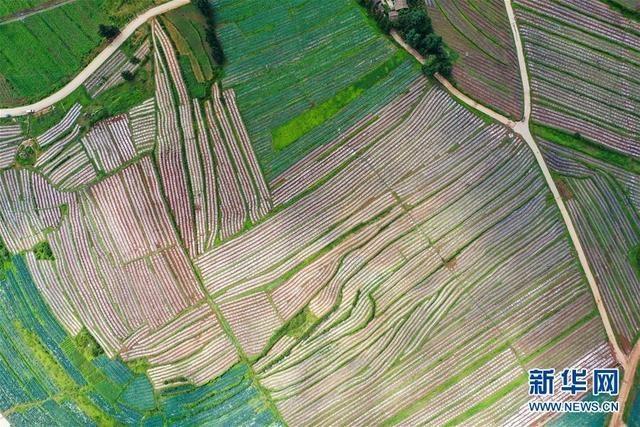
[[195, 88], [88, 345], [300, 323], [187, 27], [586, 146], [27, 153], [139, 366], [634, 258], [291, 131], [624, 7], [139, 394], [43, 252]]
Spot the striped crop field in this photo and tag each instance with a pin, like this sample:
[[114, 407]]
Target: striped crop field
[[605, 202], [486, 68], [311, 231], [47, 379], [304, 71], [584, 61], [407, 275]]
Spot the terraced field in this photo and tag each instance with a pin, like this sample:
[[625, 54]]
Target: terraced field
[[47, 379], [582, 58], [428, 259], [487, 66], [605, 202], [321, 237]]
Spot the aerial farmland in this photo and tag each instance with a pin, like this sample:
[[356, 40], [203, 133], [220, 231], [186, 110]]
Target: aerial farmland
[[347, 212]]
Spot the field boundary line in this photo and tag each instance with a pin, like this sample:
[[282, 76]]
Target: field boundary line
[[24, 14]]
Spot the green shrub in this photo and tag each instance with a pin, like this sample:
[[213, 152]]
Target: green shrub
[[26, 154], [88, 344], [43, 251]]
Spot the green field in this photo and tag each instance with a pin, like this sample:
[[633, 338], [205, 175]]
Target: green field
[[11, 7], [186, 26], [41, 53], [305, 72]]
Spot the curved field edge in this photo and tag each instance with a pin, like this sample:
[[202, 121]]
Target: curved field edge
[[47, 377]]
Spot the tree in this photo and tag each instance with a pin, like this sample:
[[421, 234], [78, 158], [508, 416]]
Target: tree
[[43, 251], [432, 43], [127, 75], [108, 31], [216, 48], [415, 19], [430, 66]]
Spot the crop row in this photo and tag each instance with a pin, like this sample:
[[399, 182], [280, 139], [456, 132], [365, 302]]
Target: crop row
[[222, 179], [601, 201], [110, 73], [9, 139], [109, 143], [480, 34], [592, 50]]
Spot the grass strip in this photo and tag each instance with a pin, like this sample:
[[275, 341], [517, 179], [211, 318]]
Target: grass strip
[[291, 131], [579, 143]]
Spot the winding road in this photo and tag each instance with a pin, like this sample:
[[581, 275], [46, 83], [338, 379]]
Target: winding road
[[96, 63]]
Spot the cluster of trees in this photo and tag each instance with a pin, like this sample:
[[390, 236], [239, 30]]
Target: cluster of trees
[[212, 38], [414, 25], [109, 32], [377, 12], [5, 255]]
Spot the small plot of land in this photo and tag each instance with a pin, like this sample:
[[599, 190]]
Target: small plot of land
[[186, 27], [299, 71], [487, 66]]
